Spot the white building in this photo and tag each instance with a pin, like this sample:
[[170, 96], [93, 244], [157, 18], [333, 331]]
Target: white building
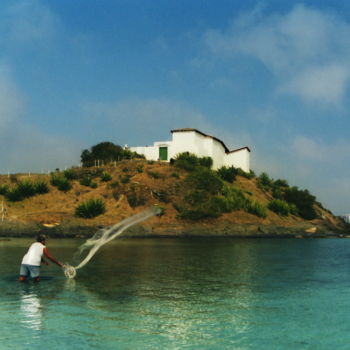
[[194, 141], [346, 218]]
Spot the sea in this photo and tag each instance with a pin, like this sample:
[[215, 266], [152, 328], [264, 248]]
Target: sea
[[181, 293]]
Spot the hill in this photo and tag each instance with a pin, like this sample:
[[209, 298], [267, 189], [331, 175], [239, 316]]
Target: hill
[[139, 184]]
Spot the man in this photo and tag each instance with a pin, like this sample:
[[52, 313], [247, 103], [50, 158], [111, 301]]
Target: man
[[31, 261]]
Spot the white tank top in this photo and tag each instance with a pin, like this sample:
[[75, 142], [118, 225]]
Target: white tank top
[[33, 257]]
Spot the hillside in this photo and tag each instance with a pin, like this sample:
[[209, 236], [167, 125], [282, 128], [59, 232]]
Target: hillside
[[53, 213]]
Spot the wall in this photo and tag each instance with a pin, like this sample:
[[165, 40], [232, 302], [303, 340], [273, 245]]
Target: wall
[[239, 159]]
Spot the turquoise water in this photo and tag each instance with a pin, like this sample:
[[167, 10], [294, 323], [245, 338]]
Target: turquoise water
[[181, 294]]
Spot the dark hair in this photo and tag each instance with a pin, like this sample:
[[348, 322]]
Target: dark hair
[[40, 239]]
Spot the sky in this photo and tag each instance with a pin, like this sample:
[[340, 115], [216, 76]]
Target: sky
[[270, 75]]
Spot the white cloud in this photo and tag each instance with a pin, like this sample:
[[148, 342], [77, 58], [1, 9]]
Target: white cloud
[[307, 50]]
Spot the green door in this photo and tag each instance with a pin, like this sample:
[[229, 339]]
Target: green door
[[163, 153]]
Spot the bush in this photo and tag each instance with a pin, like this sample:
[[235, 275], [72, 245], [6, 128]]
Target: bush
[[14, 195], [204, 211], [64, 185], [140, 169], [150, 162], [281, 183], [105, 177], [90, 208], [3, 189], [227, 174], [70, 174], [113, 185], [153, 175], [243, 173], [276, 192], [280, 207], [235, 197], [55, 179], [86, 181], [205, 179], [293, 209], [207, 162], [41, 187], [124, 179], [264, 179], [255, 208], [303, 200], [26, 188], [93, 185], [175, 175], [197, 197], [190, 158]]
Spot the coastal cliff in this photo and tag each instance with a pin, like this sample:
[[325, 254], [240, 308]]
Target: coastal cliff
[[130, 191]]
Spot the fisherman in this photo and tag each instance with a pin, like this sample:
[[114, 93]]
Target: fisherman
[[31, 261]]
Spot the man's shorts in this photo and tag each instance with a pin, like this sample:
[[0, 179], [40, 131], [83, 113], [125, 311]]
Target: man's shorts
[[26, 270]]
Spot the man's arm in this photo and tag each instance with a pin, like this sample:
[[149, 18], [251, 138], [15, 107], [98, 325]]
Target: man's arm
[[43, 261], [47, 254]]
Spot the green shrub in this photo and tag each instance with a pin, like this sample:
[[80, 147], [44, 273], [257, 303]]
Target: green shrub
[[281, 183], [64, 185], [264, 179], [86, 181], [227, 173], [207, 162], [196, 197], [26, 188], [90, 208], [3, 189], [140, 169], [175, 175], [182, 164], [280, 207], [105, 177], [14, 195], [256, 208], [93, 184], [235, 197], [150, 162], [204, 211], [243, 173], [276, 192], [303, 200], [70, 174], [124, 179], [205, 179], [113, 185], [187, 157], [41, 187], [293, 209], [153, 175], [248, 192], [55, 179]]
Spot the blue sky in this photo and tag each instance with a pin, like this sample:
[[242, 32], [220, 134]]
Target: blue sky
[[273, 76]]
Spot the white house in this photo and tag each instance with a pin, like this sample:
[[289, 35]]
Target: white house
[[194, 141]]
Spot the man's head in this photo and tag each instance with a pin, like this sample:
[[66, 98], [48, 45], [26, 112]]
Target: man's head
[[41, 239]]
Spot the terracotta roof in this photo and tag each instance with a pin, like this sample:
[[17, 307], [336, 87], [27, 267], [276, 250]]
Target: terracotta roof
[[205, 135]]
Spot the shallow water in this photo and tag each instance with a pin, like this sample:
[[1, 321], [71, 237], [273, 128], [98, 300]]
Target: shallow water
[[181, 293]]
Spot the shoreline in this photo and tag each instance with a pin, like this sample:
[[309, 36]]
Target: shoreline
[[74, 229]]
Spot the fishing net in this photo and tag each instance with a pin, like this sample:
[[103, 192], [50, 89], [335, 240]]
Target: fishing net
[[103, 236]]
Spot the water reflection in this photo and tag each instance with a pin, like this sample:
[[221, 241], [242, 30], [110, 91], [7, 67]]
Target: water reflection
[[31, 310]]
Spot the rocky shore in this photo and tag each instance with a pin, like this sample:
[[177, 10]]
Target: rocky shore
[[73, 229]]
